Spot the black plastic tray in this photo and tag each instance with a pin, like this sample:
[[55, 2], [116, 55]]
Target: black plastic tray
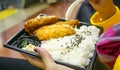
[[12, 43]]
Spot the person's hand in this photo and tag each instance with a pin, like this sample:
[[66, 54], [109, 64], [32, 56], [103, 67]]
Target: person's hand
[[46, 62], [106, 8]]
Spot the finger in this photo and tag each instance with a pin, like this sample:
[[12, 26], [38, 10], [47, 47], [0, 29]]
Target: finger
[[34, 61], [46, 57]]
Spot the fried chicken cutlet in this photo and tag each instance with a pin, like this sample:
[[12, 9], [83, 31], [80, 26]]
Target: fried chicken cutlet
[[56, 30], [72, 23], [33, 24]]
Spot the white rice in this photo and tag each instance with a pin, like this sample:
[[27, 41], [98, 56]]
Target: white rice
[[76, 49]]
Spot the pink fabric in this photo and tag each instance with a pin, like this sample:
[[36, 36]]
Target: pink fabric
[[108, 44]]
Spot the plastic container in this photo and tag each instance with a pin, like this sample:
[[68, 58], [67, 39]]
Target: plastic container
[[15, 41]]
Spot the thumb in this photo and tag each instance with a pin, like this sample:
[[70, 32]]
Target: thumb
[[45, 56]]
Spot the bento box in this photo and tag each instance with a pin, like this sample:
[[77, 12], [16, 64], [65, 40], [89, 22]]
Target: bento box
[[22, 38]]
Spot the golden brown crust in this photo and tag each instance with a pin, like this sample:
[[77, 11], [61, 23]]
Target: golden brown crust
[[34, 24], [47, 27], [54, 31], [72, 23]]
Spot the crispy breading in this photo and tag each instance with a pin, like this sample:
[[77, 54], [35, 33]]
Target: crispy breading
[[54, 31], [35, 23], [72, 23]]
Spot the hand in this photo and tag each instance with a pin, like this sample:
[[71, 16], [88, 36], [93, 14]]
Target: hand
[[47, 62], [106, 8]]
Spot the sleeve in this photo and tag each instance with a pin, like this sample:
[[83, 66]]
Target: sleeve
[[95, 20], [117, 64]]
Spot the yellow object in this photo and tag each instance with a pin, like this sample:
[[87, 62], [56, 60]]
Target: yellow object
[[6, 13], [117, 64], [95, 20]]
